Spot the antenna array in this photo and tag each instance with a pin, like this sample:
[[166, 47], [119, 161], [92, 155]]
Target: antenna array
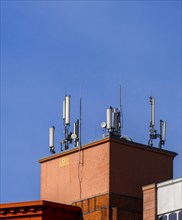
[[113, 122], [112, 126], [69, 137], [152, 132]]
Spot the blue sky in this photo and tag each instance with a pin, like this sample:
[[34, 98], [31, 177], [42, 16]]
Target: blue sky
[[87, 49]]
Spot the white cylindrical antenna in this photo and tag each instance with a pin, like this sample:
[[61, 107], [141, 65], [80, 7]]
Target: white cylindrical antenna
[[64, 109], [67, 110], [163, 130], [109, 118], [152, 102], [51, 137]]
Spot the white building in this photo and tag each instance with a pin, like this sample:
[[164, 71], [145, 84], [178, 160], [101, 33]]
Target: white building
[[169, 200]]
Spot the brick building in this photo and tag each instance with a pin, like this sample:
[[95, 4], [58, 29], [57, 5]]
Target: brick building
[[110, 179], [105, 178]]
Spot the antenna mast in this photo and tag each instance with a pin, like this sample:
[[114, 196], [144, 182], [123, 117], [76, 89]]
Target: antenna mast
[[121, 112], [76, 136], [112, 124], [114, 120], [66, 123], [69, 137], [80, 120], [152, 132]]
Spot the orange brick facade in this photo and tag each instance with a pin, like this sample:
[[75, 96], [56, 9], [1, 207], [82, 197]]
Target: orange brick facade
[[111, 206], [149, 202], [111, 175], [103, 180]]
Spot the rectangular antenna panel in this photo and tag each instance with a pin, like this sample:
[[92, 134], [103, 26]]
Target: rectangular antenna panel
[[67, 114], [51, 137], [115, 120], [76, 128], [109, 118], [163, 130]]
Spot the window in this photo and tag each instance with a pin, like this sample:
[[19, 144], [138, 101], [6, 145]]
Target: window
[[177, 215], [163, 217], [180, 215], [173, 216]]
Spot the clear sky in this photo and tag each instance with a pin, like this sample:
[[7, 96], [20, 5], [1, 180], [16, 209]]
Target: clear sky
[[87, 49]]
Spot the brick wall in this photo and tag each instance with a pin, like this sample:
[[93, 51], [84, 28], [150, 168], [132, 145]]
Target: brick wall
[[149, 202], [111, 207]]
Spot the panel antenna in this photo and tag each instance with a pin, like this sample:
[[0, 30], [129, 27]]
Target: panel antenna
[[109, 118], [67, 110], [112, 124], [162, 133], [51, 139]]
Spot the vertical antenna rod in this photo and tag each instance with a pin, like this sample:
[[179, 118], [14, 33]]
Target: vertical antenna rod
[[121, 112], [80, 122], [152, 102], [120, 97], [152, 131]]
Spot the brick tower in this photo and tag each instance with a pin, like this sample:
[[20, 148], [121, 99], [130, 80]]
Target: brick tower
[[105, 178]]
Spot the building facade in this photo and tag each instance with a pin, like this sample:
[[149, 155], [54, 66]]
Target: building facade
[[105, 178], [163, 201]]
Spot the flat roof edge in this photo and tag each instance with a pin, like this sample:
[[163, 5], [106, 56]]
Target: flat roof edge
[[57, 155], [169, 182], [146, 147], [36, 203], [110, 139]]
